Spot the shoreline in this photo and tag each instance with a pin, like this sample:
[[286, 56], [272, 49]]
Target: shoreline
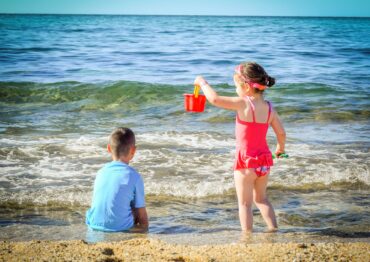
[[150, 249]]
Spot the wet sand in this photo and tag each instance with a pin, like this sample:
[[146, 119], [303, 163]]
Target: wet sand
[[157, 250]]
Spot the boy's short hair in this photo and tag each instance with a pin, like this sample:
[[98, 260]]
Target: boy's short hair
[[121, 140]]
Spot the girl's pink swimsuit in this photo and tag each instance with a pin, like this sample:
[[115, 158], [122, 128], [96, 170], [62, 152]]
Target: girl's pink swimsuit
[[252, 150]]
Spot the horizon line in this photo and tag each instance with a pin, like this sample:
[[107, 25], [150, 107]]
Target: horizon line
[[97, 14]]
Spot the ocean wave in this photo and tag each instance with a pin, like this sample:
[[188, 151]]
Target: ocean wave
[[188, 164], [322, 103], [93, 96], [192, 167], [363, 51], [81, 197], [15, 50]]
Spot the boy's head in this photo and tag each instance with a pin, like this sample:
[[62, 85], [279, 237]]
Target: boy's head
[[122, 144]]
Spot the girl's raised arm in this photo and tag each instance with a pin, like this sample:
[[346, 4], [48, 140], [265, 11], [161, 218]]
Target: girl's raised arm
[[231, 103]]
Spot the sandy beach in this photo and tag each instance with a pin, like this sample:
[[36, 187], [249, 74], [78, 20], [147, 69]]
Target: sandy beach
[[157, 250]]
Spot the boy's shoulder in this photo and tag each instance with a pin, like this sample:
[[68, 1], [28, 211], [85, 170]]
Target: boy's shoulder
[[115, 166]]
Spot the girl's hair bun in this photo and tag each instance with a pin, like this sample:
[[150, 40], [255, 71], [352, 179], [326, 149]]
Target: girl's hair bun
[[270, 81]]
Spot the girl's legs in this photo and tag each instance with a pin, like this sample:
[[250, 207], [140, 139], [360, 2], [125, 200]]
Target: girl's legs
[[261, 201], [244, 183]]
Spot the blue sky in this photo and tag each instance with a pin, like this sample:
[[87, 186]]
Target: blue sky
[[192, 7]]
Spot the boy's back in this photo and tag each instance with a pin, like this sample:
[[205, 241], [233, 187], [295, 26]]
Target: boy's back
[[117, 189]]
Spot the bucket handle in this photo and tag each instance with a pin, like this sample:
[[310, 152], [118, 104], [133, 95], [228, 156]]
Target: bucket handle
[[196, 91]]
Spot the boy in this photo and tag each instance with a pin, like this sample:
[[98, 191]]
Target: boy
[[118, 201]]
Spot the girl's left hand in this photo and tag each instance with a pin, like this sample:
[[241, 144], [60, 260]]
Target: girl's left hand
[[280, 154], [199, 81]]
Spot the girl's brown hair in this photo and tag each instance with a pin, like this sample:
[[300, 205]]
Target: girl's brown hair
[[255, 73]]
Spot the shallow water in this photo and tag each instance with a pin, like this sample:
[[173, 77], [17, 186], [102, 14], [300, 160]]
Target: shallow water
[[212, 220], [67, 81]]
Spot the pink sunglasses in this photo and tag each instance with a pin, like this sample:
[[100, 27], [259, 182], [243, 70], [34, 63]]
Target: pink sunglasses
[[238, 71]]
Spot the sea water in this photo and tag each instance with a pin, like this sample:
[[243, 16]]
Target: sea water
[[67, 81]]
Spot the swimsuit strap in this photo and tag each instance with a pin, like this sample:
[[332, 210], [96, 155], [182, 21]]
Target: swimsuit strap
[[268, 117], [253, 108]]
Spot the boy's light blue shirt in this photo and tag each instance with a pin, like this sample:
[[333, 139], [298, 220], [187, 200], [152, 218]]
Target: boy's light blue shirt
[[117, 188]]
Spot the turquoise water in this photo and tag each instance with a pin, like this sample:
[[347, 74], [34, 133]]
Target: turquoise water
[[67, 81]]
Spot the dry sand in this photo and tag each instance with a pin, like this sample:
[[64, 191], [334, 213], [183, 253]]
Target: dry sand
[[157, 250]]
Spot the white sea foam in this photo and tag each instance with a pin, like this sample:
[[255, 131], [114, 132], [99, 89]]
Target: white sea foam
[[321, 164], [194, 140], [62, 169]]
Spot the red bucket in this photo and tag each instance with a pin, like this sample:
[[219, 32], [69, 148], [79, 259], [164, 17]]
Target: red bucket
[[195, 102]]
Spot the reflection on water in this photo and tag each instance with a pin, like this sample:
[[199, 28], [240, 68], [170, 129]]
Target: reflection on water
[[205, 220]]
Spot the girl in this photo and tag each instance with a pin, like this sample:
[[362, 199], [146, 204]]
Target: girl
[[253, 157]]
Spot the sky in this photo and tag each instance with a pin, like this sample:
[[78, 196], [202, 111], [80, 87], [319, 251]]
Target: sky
[[192, 7]]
